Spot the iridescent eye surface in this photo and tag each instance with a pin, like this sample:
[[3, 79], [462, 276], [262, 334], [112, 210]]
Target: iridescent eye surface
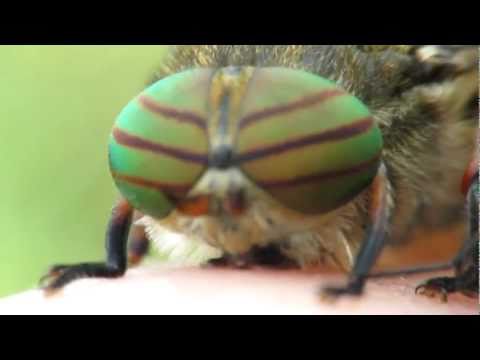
[[158, 146], [298, 136], [305, 141]]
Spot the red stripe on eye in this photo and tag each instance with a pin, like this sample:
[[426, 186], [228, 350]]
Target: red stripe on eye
[[136, 142], [183, 116], [342, 132], [285, 108], [319, 176], [155, 185]]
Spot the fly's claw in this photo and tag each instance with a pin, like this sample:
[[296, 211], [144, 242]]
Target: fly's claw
[[440, 287], [48, 282], [54, 272]]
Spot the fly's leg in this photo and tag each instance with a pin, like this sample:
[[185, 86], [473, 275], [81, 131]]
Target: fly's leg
[[116, 248], [466, 265], [138, 243], [374, 241]]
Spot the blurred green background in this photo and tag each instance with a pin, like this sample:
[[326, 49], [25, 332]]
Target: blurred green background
[[58, 104]]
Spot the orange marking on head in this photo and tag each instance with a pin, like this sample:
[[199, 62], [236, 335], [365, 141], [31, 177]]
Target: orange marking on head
[[196, 206]]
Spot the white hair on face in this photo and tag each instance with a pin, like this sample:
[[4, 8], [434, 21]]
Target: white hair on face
[[178, 249]]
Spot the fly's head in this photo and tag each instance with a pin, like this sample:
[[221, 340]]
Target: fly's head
[[240, 153]]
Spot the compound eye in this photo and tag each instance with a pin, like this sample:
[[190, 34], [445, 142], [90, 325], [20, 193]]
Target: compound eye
[[305, 141], [158, 147]]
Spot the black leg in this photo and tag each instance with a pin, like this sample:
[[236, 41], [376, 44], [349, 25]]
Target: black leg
[[465, 263], [373, 243], [116, 263]]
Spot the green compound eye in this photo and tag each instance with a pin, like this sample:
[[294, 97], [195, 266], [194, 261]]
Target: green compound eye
[[159, 147], [298, 136], [305, 141]]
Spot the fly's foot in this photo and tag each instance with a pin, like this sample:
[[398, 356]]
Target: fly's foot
[[333, 293], [61, 275], [437, 287], [52, 281]]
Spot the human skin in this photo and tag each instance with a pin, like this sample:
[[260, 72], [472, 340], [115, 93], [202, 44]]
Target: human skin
[[154, 288]]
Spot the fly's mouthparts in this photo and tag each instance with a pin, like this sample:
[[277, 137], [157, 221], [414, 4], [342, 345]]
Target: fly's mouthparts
[[235, 203]]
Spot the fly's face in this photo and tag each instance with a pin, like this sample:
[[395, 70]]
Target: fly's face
[[228, 211], [243, 149]]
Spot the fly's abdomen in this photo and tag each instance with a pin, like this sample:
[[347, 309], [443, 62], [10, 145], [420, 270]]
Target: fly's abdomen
[[305, 141], [159, 147]]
